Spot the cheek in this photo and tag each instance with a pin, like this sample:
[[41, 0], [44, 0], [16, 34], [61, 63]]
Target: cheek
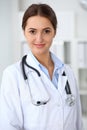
[[29, 40], [49, 40], [27, 36]]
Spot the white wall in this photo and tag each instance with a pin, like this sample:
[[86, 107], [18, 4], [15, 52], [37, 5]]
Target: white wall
[[7, 35]]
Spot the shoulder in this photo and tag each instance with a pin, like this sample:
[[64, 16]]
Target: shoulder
[[71, 78], [13, 67], [11, 76], [70, 73], [69, 70], [12, 70]]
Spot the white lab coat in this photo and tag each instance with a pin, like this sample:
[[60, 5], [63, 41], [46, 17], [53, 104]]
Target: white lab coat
[[17, 112]]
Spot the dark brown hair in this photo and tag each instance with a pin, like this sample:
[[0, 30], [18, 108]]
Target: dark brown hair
[[41, 10]]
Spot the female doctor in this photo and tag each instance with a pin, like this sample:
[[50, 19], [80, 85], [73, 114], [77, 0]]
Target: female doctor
[[39, 92]]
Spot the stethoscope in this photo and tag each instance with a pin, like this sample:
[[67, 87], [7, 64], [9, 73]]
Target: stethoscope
[[70, 100]]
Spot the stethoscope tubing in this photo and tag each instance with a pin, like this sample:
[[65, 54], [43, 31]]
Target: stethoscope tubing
[[67, 86], [24, 62], [70, 98]]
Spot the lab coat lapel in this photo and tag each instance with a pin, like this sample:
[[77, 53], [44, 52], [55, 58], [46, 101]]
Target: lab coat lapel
[[30, 61], [36, 83], [61, 83]]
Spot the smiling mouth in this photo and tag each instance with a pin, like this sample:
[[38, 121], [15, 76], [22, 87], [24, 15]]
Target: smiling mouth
[[39, 45]]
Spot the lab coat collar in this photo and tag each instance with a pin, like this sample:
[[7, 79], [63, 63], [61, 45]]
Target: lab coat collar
[[57, 62], [62, 82], [32, 61]]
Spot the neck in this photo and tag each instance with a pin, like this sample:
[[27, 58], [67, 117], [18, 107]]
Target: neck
[[45, 59]]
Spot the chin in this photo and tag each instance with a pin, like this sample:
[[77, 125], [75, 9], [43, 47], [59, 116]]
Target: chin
[[40, 52]]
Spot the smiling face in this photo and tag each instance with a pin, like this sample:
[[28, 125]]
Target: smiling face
[[39, 34]]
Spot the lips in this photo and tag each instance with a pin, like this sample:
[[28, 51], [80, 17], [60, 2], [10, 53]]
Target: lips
[[39, 45]]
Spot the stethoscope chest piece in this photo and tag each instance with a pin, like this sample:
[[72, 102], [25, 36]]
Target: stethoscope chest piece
[[70, 100]]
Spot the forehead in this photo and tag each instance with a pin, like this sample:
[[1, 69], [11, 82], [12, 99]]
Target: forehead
[[38, 21]]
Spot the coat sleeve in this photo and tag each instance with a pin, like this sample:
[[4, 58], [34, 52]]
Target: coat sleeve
[[79, 112], [10, 106], [72, 79]]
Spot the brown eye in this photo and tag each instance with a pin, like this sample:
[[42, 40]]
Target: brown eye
[[47, 31], [32, 32]]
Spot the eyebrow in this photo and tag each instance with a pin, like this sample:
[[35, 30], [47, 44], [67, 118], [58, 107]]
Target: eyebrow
[[31, 28], [36, 29]]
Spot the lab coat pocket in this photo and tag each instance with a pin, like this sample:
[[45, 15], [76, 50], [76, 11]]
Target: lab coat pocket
[[33, 116]]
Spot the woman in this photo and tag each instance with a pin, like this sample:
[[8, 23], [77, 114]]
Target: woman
[[39, 92]]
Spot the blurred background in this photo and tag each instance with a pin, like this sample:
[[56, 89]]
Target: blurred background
[[70, 43]]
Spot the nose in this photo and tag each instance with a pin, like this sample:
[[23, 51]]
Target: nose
[[39, 37]]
